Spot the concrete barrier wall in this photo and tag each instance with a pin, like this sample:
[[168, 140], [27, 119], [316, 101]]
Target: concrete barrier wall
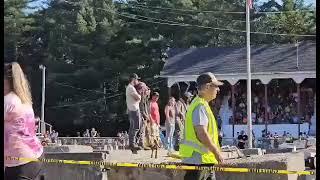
[[286, 161], [53, 171], [68, 149], [280, 161]]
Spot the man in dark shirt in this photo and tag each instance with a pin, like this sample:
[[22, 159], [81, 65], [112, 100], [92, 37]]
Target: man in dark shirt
[[242, 138], [181, 109]]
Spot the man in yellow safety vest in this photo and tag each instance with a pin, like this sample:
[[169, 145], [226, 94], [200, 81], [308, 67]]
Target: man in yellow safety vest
[[200, 144]]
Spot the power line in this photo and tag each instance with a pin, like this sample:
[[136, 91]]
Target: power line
[[281, 12], [91, 101], [85, 102], [219, 11], [207, 27], [221, 29], [235, 20], [188, 10], [69, 64], [66, 85], [75, 104], [114, 96], [174, 23], [164, 20], [156, 82], [189, 15]]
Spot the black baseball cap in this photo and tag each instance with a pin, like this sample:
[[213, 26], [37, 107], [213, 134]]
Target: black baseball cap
[[208, 77], [155, 94], [134, 76]]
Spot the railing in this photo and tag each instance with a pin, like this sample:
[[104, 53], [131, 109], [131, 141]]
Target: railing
[[229, 141], [97, 143], [264, 143], [46, 124]]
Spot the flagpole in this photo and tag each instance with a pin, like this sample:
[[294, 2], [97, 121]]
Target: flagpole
[[249, 120]]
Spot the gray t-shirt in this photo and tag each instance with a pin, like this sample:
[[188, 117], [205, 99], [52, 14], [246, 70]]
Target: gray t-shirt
[[199, 118]]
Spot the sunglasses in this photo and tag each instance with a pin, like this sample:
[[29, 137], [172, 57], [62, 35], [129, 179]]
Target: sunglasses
[[213, 85]]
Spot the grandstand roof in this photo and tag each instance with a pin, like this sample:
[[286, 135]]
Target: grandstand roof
[[231, 62]]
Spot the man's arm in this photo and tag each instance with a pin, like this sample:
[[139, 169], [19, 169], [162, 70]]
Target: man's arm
[[179, 108], [158, 120], [166, 111], [200, 122], [203, 137], [136, 96], [133, 92]]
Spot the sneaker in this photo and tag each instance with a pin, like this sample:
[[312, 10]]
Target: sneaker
[[134, 147], [146, 148], [134, 151]]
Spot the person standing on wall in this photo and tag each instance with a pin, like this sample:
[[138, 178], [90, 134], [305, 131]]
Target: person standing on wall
[[155, 114], [144, 106], [200, 145], [133, 99], [93, 132], [20, 138], [170, 123], [181, 109]]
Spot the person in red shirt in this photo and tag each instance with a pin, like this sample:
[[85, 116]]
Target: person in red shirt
[[155, 115], [154, 109]]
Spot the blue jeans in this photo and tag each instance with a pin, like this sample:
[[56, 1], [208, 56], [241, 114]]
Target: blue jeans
[[169, 135], [163, 140], [135, 123]]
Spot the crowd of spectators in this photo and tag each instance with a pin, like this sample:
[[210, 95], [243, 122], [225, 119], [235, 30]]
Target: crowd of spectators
[[50, 137], [282, 106], [124, 138], [88, 133]]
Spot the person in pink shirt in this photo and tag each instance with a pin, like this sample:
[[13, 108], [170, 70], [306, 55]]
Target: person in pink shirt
[[155, 115], [154, 108], [20, 138], [170, 112]]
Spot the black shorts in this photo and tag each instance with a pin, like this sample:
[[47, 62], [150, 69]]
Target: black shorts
[[241, 145], [29, 171]]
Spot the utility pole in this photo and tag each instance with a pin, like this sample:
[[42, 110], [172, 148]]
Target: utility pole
[[249, 120], [15, 44], [104, 95], [297, 45], [43, 125]]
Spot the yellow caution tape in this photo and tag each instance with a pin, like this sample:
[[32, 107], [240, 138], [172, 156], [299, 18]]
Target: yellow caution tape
[[164, 166]]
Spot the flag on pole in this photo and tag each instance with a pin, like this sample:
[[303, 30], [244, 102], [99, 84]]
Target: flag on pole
[[250, 3]]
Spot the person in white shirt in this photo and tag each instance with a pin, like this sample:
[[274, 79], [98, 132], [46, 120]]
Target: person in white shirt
[[133, 99], [86, 133], [260, 120], [54, 136], [93, 132], [254, 117]]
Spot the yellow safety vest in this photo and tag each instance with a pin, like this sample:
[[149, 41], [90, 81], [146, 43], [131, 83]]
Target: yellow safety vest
[[191, 143]]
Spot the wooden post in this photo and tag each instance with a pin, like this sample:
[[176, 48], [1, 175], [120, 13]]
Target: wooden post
[[233, 108], [266, 119]]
